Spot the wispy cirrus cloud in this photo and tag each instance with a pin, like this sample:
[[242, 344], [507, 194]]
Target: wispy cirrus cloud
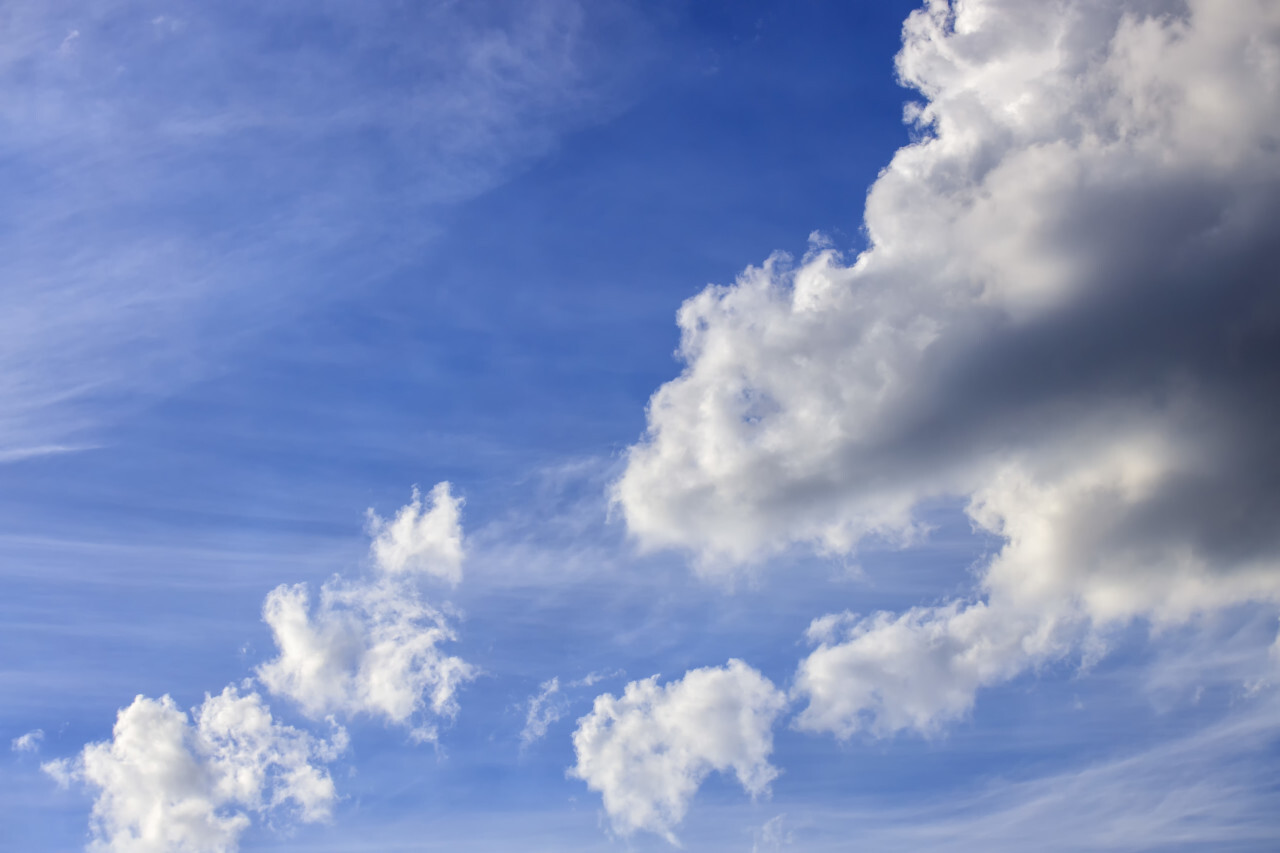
[[28, 742], [147, 233]]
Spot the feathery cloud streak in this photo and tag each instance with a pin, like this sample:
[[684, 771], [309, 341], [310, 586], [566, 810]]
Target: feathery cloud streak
[[177, 175]]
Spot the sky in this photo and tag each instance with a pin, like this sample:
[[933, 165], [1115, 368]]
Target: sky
[[591, 426]]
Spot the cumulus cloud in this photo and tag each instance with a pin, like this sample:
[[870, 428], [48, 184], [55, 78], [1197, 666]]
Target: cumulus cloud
[[29, 742], [167, 781], [421, 538], [373, 646], [1066, 318], [648, 751], [367, 648]]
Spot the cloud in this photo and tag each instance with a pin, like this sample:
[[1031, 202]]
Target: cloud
[[773, 835], [1204, 790], [551, 703], [368, 648], [1065, 319], [372, 646], [544, 709], [293, 151], [421, 539], [29, 742], [649, 751], [169, 782]]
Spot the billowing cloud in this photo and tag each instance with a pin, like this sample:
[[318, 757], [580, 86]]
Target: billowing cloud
[[648, 751], [166, 781], [421, 538], [373, 646], [1066, 317], [368, 648]]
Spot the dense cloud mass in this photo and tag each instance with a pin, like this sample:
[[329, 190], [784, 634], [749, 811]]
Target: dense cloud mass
[[1067, 317], [168, 782], [648, 751]]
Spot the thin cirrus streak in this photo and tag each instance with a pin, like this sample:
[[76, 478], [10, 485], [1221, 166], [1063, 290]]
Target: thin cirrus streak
[[153, 232]]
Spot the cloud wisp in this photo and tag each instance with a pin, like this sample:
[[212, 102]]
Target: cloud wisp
[[150, 237], [545, 708], [28, 742], [1066, 319]]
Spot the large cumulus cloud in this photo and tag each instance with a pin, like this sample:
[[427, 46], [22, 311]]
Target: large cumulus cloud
[[1067, 317]]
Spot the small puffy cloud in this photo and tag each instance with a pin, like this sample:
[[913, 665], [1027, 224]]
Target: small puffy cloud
[[29, 742], [1066, 320], [648, 751], [166, 781], [367, 648], [422, 538]]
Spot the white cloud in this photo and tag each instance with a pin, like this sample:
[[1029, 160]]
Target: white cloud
[[421, 539], [544, 709], [1066, 318], [649, 751], [915, 670], [371, 648], [29, 742], [550, 703], [1199, 791], [166, 782]]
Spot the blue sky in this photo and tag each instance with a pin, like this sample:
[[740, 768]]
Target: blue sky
[[959, 444]]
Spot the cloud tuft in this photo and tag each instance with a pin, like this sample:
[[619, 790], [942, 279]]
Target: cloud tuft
[[648, 751], [421, 539]]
